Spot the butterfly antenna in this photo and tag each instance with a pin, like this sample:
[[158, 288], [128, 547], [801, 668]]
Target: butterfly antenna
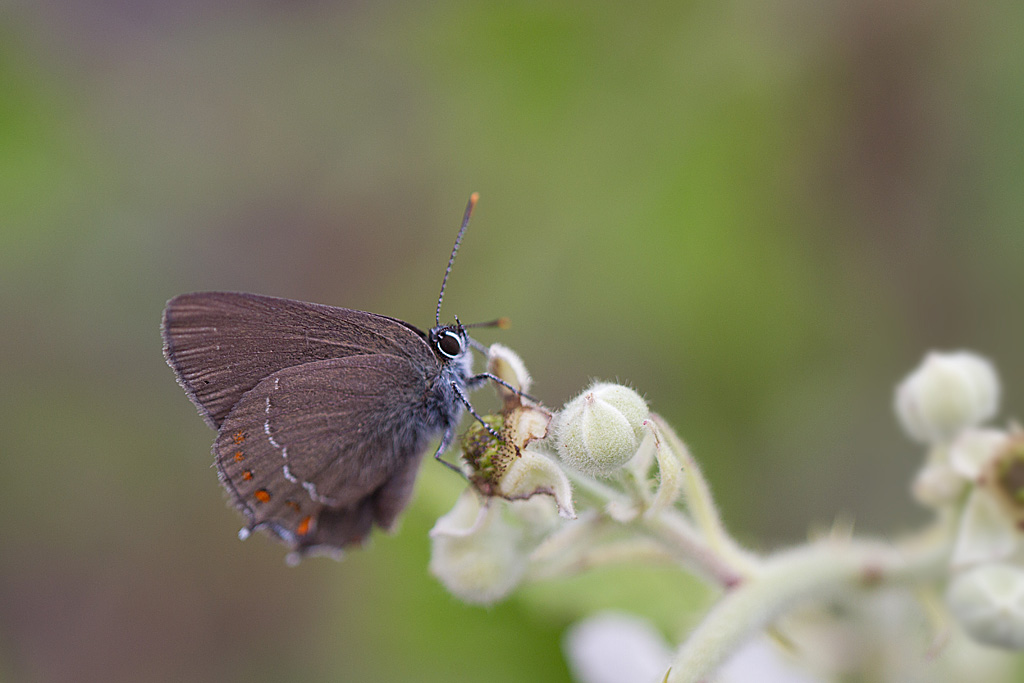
[[501, 323], [465, 224]]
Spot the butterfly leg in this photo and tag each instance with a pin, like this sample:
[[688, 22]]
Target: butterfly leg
[[446, 440], [476, 380], [469, 406]]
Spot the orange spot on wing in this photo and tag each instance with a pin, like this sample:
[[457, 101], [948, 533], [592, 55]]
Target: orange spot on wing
[[303, 528], [238, 437], [262, 495], [239, 456], [247, 475], [292, 504]]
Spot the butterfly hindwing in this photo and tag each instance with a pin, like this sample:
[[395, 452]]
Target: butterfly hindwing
[[318, 452]]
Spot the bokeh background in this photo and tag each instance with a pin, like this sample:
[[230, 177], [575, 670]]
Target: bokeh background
[[761, 215]]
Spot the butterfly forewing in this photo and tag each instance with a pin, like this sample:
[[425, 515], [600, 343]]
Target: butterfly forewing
[[318, 452], [222, 344]]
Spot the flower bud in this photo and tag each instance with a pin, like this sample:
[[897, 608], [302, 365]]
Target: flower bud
[[504, 363], [946, 394], [600, 430], [475, 553], [988, 601]]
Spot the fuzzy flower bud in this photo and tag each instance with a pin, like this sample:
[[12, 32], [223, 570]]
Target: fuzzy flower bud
[[503, 362], [988, 601], [947, 394], [600, 430], [476, 553], [481, 549]]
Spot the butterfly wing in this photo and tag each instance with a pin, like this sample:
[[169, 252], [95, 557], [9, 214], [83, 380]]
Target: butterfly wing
[[221, 344], [316, 453]]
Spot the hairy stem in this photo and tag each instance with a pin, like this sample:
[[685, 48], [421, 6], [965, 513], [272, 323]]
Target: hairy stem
[[784, 580], [701, 503]]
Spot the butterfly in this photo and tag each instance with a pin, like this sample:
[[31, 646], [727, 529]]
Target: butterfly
[[323, 414]]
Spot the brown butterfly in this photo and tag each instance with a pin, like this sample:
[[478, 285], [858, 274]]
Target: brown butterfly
[[323, 414]]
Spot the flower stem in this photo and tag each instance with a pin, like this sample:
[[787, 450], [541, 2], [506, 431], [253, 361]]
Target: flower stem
[[635, 550], [689, 548], [702, 504], [813, 571]]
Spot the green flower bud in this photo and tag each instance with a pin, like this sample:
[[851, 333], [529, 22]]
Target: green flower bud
[[988, 601], [947, 394], [600, 430]]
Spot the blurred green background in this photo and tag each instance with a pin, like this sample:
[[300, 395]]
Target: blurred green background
[[761, 215]]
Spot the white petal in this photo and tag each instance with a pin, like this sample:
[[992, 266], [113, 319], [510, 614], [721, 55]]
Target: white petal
[[534, 473], [987, 534], [988, 601], [760, 660], [938, 484], [464, 519], [973, 449], [616, 648]]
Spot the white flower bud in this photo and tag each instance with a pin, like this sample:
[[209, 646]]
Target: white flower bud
[[503, 362], [988, 601], [600, 430], [476, 553], [946, 394]]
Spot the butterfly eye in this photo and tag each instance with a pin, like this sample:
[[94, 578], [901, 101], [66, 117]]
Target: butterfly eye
[[449, 344]]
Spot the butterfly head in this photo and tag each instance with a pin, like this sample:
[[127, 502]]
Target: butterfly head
[[449, 342]]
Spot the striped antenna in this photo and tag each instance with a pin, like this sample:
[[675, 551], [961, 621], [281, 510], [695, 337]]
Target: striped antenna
[[465, 224]]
